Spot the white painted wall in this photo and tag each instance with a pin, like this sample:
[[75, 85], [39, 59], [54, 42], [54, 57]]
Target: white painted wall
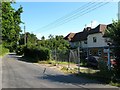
[[100, 40], [74, 44], [83, 44]]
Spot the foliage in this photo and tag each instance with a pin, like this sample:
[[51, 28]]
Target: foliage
[[20, 49], [115, 84], [114, 33], [31, 39], [10, 25], [57, 45], [83, 62], [37, 53], [102, 67], [3, 50]]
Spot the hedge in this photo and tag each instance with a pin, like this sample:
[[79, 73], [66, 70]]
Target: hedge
[[39, 54]]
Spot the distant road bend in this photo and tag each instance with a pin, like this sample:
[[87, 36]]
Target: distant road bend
[[20, 74]]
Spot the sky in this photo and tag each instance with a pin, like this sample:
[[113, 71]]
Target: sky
[[44, 18]]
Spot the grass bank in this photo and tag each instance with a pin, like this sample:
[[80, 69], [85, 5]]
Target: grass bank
[[3, 51]]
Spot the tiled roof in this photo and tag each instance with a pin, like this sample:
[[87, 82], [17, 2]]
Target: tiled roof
[[69, 37], [80, 36], [99, 29], [109, 25], [74, 37]]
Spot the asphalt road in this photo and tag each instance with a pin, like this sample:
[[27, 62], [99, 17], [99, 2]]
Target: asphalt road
[[20, 74]]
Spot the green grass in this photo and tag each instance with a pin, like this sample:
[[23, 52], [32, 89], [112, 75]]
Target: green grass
[[3, 51], [75, 70], [99, 77], [115, 84], [103, 75], [92, 74], [53, 62]]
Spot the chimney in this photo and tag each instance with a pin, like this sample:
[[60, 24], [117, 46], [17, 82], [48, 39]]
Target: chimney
[[88, 28]]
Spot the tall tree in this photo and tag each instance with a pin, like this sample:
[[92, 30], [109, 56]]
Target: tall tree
[[42, 38], [31, 39], [114, 33], [10, 25]]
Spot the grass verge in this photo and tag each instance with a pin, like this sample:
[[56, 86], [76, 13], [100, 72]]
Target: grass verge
[[103, 77], [3, 51], [93, 75]]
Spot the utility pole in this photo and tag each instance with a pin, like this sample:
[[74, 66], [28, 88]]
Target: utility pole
[[24, 36], [79, 58], [109, 59], [119, 10], [69, 59], [56, 56], [109, 62]]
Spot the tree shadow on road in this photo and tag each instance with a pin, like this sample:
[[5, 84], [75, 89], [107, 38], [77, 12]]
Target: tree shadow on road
[[70, 78], [24, 59]]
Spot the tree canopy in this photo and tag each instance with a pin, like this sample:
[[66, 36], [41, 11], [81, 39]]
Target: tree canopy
[[113, 32], [11, 19]]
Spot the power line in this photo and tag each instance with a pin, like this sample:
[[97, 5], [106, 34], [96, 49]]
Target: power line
[[75, 14], [67, 18], [61, 22], [70, 14]]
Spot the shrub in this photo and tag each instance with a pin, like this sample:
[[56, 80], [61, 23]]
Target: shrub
[[39, 54], [104, 72], [20, 49]]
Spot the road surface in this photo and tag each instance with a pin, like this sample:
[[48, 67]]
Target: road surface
[[20, 74]]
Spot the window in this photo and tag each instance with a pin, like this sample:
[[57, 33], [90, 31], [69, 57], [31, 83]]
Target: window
[[99, 52], [89, 52], [85, 42], [94, 39]]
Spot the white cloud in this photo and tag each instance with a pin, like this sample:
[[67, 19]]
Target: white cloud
[[93, 23], [38, 35]]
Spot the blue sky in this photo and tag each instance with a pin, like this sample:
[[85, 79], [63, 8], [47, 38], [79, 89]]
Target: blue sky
[[36, 15]]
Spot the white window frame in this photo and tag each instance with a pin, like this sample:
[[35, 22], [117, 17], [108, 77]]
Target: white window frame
[[85, 42], [99, 52], [90, 52]]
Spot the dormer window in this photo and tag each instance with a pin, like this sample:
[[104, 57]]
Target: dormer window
[[94, 39]]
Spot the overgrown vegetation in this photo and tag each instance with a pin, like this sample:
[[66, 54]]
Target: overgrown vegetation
[[3, 50], [113, 32], [50, 49], [10, 25], [39, 54]]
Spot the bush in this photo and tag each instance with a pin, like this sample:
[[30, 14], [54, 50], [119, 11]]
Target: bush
[[20, 49], [39, 54], [102, 66]]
